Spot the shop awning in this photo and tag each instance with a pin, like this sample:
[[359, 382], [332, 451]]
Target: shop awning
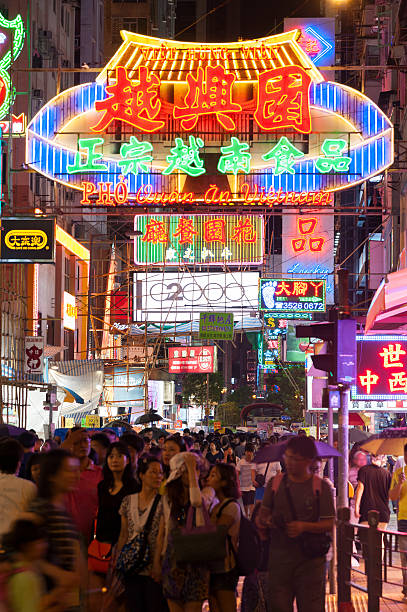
[[388, 309]]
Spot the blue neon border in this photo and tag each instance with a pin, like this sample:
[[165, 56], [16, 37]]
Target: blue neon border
[[367, 158], [380, 338]]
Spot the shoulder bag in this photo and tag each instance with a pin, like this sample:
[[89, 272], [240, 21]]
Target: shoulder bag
[[135, 555], [199, 544]]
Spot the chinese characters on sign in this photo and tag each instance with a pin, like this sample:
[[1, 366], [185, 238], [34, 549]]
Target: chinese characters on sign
[[186, 157], [282, 100], [382, 368], [303, 295], [216, 326], [34, 355], [193, 239], [192, 359]]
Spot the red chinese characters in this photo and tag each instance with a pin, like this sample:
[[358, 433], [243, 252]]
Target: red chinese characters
[[306, 228], [136, 104], [185, 231], [210, 92], [377, 378], [215, 230], [283, 99]]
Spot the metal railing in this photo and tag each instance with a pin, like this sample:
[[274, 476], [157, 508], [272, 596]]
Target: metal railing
[[380, 570]]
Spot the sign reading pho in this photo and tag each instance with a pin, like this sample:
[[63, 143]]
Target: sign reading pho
[[216, 326], [27, 240]]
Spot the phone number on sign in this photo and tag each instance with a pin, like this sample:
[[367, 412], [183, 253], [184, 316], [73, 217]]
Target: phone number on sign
[[300, 306]]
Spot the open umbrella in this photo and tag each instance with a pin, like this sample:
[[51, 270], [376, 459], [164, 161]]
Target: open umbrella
[[148, 417], [10, 431], [275, 452], [157, 432], [389, 442], [118, 423], [357, 435]]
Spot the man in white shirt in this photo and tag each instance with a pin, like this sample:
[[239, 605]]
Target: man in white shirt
[[16, 493]]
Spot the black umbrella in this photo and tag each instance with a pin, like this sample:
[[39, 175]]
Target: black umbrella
[[148, 417], [118, 423], [157, 432]]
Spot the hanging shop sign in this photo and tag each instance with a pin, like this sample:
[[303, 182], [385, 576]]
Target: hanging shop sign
[[381, 368], [182, 296], [70, 311], [192, 360], [216, 325], [27, 240], [277, 318], [269, 352], [307, 248], [34, 355], [114, 139], [174, 240], [12, 36], [283, 294]]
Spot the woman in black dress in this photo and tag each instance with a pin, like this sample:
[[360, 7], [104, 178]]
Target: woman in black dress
[[118, 481]]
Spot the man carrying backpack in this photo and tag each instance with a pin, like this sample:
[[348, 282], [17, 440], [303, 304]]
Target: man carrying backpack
[[299, 509]]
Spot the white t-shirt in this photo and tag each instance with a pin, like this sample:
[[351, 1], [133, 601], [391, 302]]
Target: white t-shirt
[[273, 469], [16, 495], [244, 469]]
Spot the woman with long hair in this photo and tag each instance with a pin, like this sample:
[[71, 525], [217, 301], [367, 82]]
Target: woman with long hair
[[186, 586], [224, 578], [142, 593], [118, 481], [172, 446], [64, 563]]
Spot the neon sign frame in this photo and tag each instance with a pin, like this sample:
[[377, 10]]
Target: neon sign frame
[[10, 56], [372, 155]]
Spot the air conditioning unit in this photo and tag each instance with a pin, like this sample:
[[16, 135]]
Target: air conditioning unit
[[45, 34], [38, 93]]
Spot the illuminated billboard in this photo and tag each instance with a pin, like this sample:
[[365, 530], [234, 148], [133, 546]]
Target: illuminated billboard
[[283, 294], [192, 360], [174, 240], [171, 123], [183, 295], [381, 368], [307, 248]]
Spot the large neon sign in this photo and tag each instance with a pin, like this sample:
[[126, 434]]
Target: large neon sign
[[174, 240], [381, 369], [301, 134]]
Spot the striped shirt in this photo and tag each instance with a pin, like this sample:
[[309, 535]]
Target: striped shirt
[[61, 533]]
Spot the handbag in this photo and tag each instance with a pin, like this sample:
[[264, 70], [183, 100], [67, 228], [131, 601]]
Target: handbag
[[99, 555], [135, 555], [199, 545], [313, 545], [261, 478]]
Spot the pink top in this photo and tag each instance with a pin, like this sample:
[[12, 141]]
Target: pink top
[[82, 504]]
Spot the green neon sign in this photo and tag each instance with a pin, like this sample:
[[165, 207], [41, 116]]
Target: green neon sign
[[15, 30], [234, 158]]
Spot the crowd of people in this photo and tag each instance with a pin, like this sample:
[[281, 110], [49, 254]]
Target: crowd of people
[[155, 524]]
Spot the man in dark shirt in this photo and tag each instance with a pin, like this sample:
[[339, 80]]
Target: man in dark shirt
[[372, 492], [293, 575]]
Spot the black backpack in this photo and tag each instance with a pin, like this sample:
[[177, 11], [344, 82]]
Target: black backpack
[[248, 554]]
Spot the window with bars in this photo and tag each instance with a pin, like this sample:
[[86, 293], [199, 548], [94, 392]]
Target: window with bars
[[131, 24]]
